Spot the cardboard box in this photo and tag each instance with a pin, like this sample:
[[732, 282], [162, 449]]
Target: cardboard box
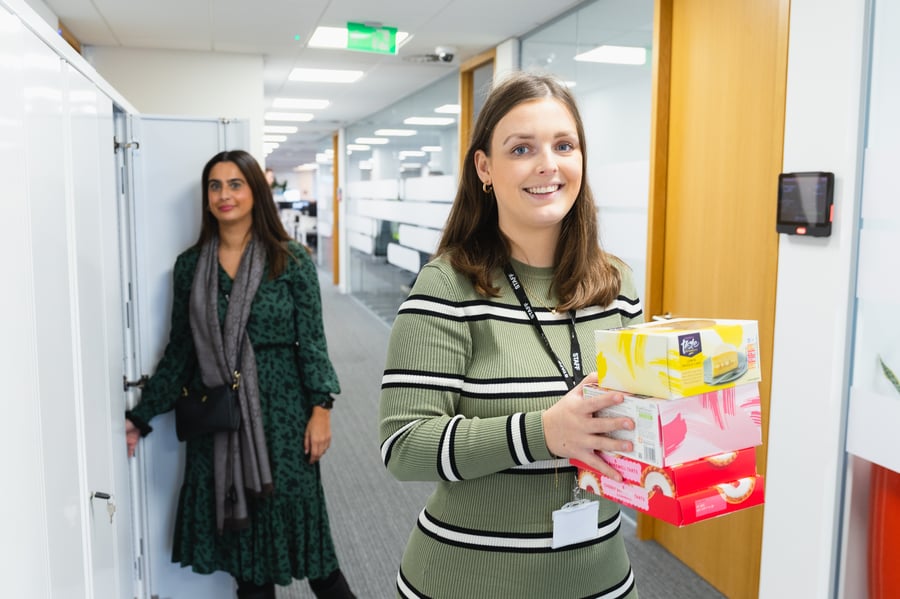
[[679, 357], [681, 479], [716, 500], [674, 431]]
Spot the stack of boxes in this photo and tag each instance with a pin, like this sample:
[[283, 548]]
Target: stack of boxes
[[691, 388]]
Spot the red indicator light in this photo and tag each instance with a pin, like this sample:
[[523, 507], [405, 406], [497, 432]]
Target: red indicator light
[[831, 214], [801, 230]]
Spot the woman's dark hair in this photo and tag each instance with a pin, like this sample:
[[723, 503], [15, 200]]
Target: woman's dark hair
[[267, 227], [472, 241]]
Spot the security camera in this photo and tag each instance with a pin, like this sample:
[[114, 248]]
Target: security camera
[[445, 53]]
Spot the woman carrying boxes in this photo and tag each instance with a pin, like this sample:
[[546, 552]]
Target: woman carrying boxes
[[482, 387]]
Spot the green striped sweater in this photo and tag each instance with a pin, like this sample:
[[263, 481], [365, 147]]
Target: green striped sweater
[[463, 390]]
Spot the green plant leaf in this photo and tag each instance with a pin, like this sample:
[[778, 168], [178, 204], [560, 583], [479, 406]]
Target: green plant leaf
[[889, 374]]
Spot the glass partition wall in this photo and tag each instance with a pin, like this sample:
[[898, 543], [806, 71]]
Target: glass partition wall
[[602, 50], [401, 178]]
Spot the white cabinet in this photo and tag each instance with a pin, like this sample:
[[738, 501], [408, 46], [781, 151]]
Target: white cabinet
[[61, 330]]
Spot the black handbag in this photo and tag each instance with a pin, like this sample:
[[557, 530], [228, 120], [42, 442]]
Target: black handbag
[[204, 411]]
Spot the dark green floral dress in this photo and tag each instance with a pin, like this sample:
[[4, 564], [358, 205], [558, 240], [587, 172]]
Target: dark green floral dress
[[289, 536]]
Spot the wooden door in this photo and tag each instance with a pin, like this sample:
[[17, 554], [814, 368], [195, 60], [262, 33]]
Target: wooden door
[[719, 96]]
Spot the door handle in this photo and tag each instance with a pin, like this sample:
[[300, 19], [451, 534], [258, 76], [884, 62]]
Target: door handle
[[126, 384]]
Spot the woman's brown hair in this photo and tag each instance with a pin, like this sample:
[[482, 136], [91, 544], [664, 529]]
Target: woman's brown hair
[[267, 227], [472, 241]]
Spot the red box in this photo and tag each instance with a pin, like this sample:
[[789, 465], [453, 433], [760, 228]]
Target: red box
[[682, 479], [673, 495]]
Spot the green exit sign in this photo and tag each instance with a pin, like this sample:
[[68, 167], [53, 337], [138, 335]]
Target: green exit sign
[[365, 38]]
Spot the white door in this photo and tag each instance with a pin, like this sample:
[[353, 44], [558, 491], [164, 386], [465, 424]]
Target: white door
[[168, 155], [96, 297], [64, 349]]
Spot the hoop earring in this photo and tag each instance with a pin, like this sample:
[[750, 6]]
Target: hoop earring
[[487, 188]]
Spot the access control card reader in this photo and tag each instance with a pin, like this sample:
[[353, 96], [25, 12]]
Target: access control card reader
[[805, 203]]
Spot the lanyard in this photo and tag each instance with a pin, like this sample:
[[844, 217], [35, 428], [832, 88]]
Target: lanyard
[[573, 337]]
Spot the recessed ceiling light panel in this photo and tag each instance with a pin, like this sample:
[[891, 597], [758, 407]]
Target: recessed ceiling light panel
[[614, 55], [396, 132], [295, 117], [429, 120], [325, 75], [300, 103]]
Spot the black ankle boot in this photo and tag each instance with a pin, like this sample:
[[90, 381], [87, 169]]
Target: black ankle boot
[[249, 590], [334, 586]]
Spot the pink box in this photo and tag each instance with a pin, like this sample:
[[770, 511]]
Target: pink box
[[681, 479], [674, 431]]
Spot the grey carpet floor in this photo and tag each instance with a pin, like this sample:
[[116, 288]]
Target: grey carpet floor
[[371, 512]]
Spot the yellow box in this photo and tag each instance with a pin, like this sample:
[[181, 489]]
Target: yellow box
[[676, 358]]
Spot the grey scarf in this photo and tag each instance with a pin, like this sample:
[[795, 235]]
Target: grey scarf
[[240, 458]]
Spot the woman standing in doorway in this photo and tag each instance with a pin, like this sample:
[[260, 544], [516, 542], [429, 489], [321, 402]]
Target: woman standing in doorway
[[482, 388], [251, 503]]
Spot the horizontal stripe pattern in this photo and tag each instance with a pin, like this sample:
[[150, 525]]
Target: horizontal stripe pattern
[[507, 541], [506, 388], [406, 590], [490, 310], [619, 590]]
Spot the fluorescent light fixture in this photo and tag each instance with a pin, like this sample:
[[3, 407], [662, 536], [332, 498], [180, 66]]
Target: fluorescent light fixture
[[294, 117], [328, 37], [365, 165], [429, 120], [336, 38], [309, 166], [372, 141], [410, 165], [279, 129], [278, 138], [410, 154], [448, 109], [396, 132], [300, 103], [432, 149], [271, 145], [325, 75], [614, 55], [323, 158], [358, 147]]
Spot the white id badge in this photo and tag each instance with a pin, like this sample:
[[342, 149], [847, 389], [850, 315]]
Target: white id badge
[[575, 522]]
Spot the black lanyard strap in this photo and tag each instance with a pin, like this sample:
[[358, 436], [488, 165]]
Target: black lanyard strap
[[519, 290]]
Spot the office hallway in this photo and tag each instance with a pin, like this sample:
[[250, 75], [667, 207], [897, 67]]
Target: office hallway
[[371, 512]]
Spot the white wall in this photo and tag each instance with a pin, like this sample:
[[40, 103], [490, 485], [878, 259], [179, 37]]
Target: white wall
[[183, 83], [812, 320]]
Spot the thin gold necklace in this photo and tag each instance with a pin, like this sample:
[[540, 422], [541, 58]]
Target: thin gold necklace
[[539, 298]]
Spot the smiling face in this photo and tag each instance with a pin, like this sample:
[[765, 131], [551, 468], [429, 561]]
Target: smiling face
[[230, 197], [535, 167]]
